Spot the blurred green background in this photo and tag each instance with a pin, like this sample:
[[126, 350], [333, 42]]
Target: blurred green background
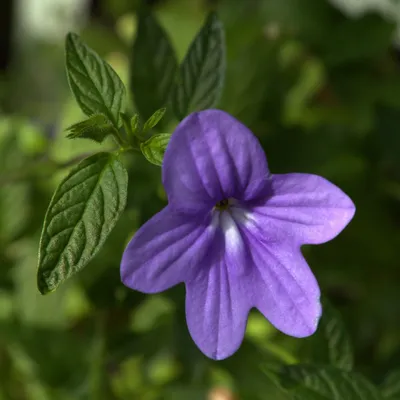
[[317, 81]]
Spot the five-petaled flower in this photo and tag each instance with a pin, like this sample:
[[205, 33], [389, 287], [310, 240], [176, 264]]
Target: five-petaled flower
[[232, 233]]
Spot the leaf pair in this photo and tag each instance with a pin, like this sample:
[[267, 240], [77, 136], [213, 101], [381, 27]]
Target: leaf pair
[[156, 79], [89, 201]]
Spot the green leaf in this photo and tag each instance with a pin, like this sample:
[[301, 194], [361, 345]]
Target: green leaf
[[153, 67], [96, 86], [391, 386], [202, 71], [331, 343], [83, 211], [135, 123], [154, 148], [154, 119], [97, 127], [309, 382]]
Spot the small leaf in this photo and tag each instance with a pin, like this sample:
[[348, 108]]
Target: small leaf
[[202, 71], [331, 343], [135, 123], [97, 127], [96, 86], [154, 148], [391, 386], [153, 68], [154, 119], [83, 211], [309, 382]]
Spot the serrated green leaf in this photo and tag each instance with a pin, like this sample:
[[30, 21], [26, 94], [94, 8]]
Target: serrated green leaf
[[83, 211], [97, 127], [154, 148], [391, 386], [96, 86], [331, 343], [202, 71], [311, 382], [154, 119], [153, 68]]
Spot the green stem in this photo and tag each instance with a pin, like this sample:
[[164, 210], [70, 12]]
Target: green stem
[[118, 139]]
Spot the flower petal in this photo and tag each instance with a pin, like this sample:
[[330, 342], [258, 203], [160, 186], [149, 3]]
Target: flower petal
[[165, 251], [217, 307], [284, 288], [211, 156], [306, 207]]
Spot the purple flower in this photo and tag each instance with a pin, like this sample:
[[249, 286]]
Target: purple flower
[[232, 233]]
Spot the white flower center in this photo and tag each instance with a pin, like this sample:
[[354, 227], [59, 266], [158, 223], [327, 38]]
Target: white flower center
[[229, 217]]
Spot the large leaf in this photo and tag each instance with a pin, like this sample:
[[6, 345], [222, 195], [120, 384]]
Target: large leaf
[[202, 71], [391, 386], [331, 343], [153, 67], [82, 213], [309, 382], [96, 86]]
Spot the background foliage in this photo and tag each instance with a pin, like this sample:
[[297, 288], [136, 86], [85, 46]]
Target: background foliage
[[319, 83]]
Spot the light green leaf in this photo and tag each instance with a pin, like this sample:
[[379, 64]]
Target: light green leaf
[[135, 123], [96, 86], [309, 382], [202, 71], [83, 211], [154, 119], [97, 127], [153, 68], [154, 148], [331, 343], [391, 386]]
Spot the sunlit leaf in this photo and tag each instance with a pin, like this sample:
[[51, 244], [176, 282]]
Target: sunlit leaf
[[153, 120], [97, 127], [96, 86], [83, 211], [154, 148]]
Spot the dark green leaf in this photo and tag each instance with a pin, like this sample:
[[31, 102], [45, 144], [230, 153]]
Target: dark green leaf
[[361, 39], [391, 386], [331, 343], [96, 86], [154, 119], [154, 148], [83, 211], [97, 127], [309, 382], [202, 71], [153, 67]]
